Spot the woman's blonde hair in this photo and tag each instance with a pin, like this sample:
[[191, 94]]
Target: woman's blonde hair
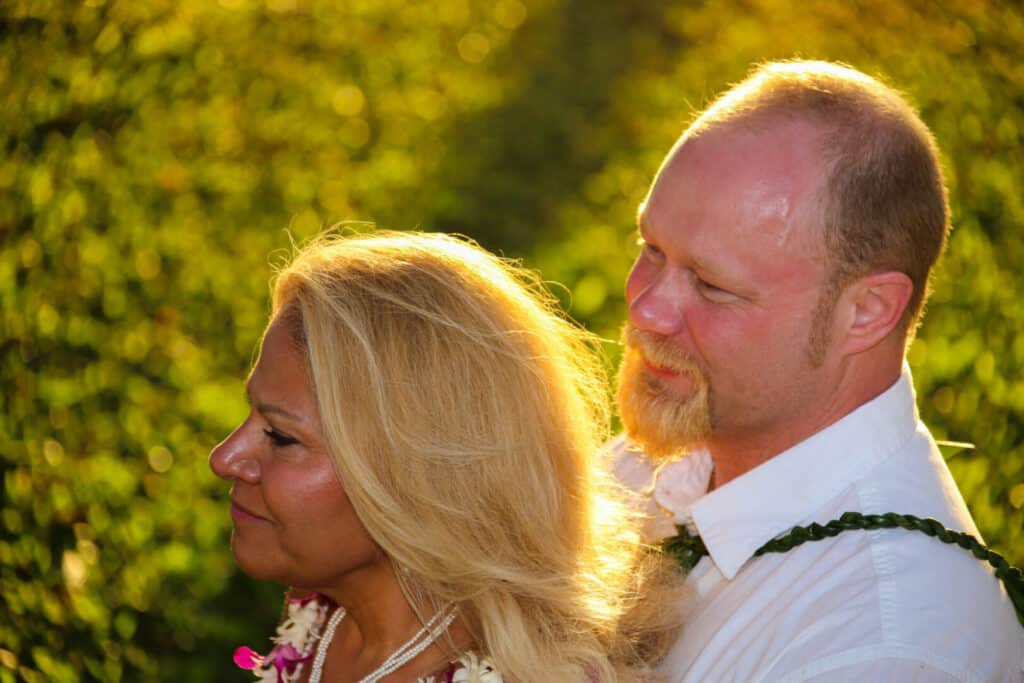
[[465, 418]]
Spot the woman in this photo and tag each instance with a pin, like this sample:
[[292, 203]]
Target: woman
[[419, 464]]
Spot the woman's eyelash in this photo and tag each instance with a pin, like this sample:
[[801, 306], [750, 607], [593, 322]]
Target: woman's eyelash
[[277, 438]]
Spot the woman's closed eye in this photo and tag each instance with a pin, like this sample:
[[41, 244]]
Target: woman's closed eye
[[279, 439]]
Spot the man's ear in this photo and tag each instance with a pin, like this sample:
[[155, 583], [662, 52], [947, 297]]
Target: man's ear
[[872, 307]]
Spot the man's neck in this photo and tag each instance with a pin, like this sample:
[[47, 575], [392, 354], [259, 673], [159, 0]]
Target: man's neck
[[734, 454], [734, 457]]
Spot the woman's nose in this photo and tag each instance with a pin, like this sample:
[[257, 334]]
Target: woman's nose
[[235, 457]]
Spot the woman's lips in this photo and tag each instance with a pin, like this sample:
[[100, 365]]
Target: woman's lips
[[240, 513]]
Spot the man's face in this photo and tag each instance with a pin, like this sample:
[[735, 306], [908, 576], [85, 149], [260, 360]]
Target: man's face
[[723, 293]]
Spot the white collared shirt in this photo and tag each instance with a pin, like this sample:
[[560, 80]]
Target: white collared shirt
[[882, 605]]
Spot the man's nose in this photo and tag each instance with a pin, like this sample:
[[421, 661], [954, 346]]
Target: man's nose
[[658, 307], [235, 457]]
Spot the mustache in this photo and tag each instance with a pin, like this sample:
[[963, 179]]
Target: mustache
[[657, 349]]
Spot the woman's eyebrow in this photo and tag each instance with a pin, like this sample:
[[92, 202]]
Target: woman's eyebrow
[[278, 410], [271, 407]]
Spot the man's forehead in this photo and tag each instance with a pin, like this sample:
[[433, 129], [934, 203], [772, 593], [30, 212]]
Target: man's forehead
[[776, 168], [752, 144], [730, 189]]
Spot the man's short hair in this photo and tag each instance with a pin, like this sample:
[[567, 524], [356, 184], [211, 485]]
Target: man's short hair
[[883, 201]]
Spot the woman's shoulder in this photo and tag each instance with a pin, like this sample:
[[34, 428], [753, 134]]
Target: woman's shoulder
[[469, 668]]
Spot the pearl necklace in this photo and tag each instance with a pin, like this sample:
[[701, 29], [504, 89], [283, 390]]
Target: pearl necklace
[[437, 625]]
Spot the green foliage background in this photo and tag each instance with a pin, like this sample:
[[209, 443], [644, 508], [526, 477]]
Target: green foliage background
[[155, 152]]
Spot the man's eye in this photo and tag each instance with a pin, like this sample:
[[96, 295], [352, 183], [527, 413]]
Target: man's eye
[[650, 251], [279, 439], [713, 292]]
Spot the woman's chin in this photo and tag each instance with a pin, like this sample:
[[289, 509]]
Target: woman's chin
[[251, 561]]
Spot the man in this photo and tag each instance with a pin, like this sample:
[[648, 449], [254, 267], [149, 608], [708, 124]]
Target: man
[[787, 242]]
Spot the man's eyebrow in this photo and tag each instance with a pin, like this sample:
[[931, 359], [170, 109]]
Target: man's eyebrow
[[705, 267], [640, 216], [641, 231]]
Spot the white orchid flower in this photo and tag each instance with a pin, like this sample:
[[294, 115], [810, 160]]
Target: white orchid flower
[[476, 671]]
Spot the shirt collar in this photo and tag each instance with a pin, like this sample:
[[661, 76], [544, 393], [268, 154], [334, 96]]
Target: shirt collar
[[738, 518]]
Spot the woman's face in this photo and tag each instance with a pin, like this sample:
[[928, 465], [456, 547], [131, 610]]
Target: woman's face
[[292, 520]]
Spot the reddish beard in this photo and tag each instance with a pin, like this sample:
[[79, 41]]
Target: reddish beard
[[663, 422]]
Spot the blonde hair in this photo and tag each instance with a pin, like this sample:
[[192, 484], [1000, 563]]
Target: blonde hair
[[883, 201], [465, 418]]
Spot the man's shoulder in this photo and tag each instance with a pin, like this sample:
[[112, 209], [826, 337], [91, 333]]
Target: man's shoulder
[[846, 604], [861, 597], [918, 580]]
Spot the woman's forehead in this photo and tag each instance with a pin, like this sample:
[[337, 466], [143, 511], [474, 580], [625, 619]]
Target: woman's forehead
[[279, 377]]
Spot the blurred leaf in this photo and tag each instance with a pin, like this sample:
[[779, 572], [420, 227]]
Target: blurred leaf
[[155, 154]]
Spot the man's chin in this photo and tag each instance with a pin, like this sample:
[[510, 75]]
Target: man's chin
[[665, 427], [663, 449], [665, 424]]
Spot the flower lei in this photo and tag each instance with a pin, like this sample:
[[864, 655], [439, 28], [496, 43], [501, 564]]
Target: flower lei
[[467, 669], [299, 632], [296, 637]]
